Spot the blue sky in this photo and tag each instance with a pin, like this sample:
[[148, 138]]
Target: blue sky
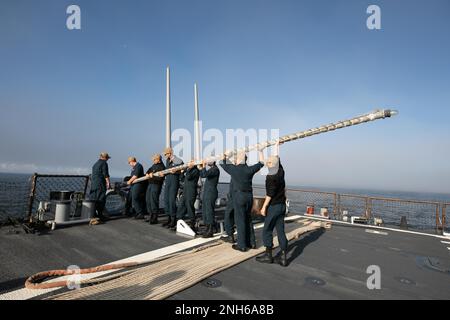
[[67, 95]]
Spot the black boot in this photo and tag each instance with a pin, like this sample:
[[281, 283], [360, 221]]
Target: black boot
[[154, 218], [173, 225], [102, 218], [236, 247], [283, 258], [139, 216], [168, 222], [191, 224], [266, 257], [209, 232], [229, 239]]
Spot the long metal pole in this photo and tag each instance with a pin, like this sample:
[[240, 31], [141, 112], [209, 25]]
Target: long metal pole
[[375, 115], [168, 120], [196, 125]]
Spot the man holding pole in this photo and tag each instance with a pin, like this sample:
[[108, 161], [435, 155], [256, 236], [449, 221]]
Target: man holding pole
[[137, 189], [171, 187], [242, 176], [154, 188]]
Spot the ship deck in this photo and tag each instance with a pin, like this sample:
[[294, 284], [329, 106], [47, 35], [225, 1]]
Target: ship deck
[[323, 264]]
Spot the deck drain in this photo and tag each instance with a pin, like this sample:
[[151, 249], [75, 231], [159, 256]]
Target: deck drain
[[212, 283], [315, 281], [405, 281]]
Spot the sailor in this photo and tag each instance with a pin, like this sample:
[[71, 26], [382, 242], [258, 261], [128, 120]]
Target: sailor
[[191, 177], [172, 182], [137, 189], [154, 188], [181, 201], [210, 194], [99, 184], [229, 221], [229, 217], [274, 209], [242, 176]]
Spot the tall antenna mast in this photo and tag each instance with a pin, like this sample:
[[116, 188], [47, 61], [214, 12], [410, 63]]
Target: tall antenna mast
[[196, 125], [168, 120]]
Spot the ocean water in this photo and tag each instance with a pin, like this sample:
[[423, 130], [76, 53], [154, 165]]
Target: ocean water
[[15, 190]]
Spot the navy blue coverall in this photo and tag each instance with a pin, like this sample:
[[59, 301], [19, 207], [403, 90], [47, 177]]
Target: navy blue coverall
[[100, 172], [190, 190], [229, 212], [172, 183], [154, 189], [137, 189], [210, 193], [181, 204], [242, 176]]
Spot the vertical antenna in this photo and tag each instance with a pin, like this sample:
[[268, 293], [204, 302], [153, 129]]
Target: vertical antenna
[[196, 125], [168, 122]]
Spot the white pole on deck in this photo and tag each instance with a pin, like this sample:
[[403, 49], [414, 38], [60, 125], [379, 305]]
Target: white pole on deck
[[168, 122], [196, 125]]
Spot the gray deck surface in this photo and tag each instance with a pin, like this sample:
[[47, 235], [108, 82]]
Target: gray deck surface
[[86, 246], [412, 266], [339, 258]]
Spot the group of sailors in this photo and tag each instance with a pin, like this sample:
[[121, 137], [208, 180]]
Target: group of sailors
[[183, 186]]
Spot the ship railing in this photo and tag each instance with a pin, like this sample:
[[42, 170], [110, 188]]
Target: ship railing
[[424, 216], [445, 226], [43, 184], [417, 215]]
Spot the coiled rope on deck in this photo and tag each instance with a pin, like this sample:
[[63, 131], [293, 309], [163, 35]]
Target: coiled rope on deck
[[36, 281]]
